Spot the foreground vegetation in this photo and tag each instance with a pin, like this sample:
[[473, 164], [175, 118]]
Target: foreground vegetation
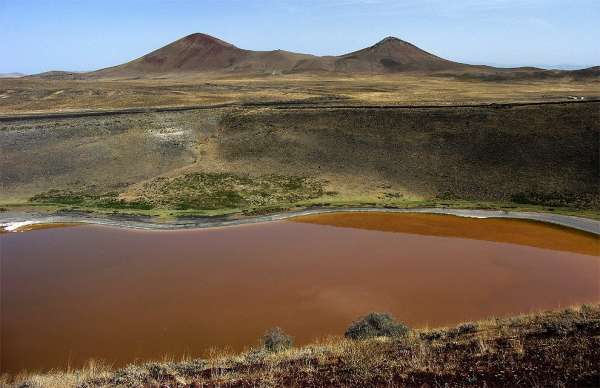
[[560, 348]]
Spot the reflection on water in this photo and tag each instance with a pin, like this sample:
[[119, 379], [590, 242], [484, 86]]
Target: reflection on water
[[522, 232], [70, 294]]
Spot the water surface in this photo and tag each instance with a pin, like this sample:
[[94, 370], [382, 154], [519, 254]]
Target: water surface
[[70, 294]]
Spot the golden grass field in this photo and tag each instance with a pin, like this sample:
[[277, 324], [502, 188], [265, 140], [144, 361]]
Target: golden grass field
[[26, 95]]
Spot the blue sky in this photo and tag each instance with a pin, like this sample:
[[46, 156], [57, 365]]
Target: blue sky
[[46, 35]]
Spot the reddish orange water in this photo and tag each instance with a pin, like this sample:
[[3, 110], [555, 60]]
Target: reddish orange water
[[70, 294]]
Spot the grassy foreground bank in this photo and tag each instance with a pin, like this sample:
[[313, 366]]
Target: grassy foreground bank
[[233, 204], [558, 348]]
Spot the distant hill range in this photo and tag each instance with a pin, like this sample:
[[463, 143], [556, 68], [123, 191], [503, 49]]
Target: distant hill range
[[11, 75], [201, 53]]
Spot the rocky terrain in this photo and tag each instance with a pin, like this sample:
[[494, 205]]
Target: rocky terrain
[[235, 159]]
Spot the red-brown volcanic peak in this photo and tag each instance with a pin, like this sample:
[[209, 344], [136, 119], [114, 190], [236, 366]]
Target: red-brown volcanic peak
[[201, 53], [193, 53], [393, 55], [204, 53]]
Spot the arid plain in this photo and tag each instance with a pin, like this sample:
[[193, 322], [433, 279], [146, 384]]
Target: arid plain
[[288, 125]]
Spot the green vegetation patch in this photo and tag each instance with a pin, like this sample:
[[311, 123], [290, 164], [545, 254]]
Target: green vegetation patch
[[197, 191], [376, 325], [88, 197], [586, 200], [210, 191], [276, 340]]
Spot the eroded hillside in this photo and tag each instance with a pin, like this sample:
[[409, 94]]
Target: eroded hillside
[[483, 153], [248, 159]]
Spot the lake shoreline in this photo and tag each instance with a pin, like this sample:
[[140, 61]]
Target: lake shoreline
[[11, 221]]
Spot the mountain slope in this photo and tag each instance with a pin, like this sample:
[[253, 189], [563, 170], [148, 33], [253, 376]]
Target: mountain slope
[[195, 52], [11, 75], [394, 55], [204, 53], [201, 53]]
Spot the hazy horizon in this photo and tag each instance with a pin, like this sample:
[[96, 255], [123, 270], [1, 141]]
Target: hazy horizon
[[68, 35]]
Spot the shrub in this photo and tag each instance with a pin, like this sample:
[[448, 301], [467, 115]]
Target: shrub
[[159, 370], [583, 200], [432, 335], [464, 328], [190, 368], [276, 340], [376, 325], [586, 309], [130, 376], [557, 326]]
